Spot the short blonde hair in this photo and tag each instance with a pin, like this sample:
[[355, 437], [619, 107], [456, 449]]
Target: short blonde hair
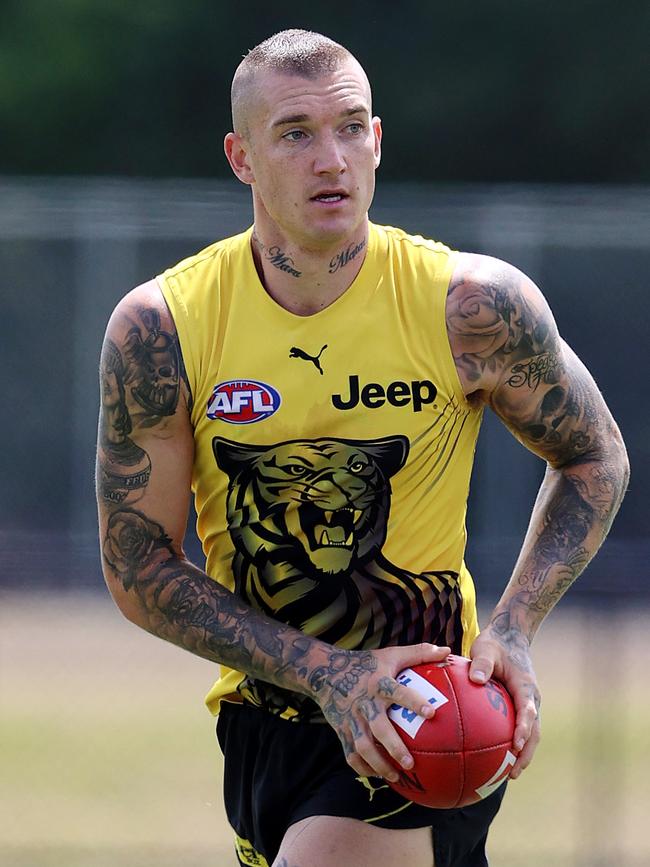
[[294, 52]]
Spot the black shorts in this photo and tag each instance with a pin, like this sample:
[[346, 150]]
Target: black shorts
[[277, 772]]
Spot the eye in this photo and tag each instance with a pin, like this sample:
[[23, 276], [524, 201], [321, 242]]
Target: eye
[[357, 466], [355, 128], [294, 135], [294, 469]]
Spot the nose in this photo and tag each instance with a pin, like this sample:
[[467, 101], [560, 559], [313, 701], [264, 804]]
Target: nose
[[329, 159]]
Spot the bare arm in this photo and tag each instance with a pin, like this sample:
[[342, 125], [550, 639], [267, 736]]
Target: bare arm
[[509, 355], [144, 465]]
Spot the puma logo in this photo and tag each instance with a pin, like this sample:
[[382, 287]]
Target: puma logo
[[297, 352], [367, 783]]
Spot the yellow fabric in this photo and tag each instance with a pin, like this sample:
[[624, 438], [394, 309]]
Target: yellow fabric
[[247, 854], [389, 330]]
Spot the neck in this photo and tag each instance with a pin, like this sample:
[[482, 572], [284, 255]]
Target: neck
[[304, 280]]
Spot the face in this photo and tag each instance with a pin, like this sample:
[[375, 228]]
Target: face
[[310, 154]]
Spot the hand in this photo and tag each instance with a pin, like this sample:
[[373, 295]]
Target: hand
[[506, 655], [355, 688]]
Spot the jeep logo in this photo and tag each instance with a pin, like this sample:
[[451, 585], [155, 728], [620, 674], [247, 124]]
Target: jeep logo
[[419, 392]]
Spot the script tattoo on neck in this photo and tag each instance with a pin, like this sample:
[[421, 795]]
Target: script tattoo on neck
[[341, 259], [277, 258]]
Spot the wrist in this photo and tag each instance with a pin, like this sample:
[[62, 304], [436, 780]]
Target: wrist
[[509, 625], [334, 670], [306, 659]]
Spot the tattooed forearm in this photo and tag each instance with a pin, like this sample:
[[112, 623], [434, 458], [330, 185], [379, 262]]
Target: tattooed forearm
[[277, 257], [181, 604], [572, 517], [341, 259]]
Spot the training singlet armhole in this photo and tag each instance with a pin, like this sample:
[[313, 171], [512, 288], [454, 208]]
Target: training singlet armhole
[[441, 333]]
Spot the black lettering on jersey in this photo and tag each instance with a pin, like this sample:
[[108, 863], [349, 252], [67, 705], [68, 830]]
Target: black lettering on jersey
[[419, 392]]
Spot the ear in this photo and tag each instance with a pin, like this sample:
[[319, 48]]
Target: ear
[[376, 128], [389, 453], [237, 149], [233, 458]]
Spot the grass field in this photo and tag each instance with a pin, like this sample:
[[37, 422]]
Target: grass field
[[109, 756]]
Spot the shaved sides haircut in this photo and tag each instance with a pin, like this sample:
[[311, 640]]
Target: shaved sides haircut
[[293, 52]]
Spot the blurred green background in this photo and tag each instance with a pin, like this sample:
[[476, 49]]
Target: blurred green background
[[535, 90], [519, 129]]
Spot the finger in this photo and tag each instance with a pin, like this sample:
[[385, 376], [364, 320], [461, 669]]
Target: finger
[[525, 757], [526, 717], [416, 654], [384, 732], [357, 764], [412, 699], [481, 669], [352, 756], [370, 753]]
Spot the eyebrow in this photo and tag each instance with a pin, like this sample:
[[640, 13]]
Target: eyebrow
[[301, 118]]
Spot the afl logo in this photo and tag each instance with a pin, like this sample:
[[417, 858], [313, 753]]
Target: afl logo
[[243, 401]]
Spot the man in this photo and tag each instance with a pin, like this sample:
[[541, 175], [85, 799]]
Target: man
[[318, 382]]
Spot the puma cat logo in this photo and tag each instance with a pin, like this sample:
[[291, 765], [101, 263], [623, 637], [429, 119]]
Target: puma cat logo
[[297, 352]]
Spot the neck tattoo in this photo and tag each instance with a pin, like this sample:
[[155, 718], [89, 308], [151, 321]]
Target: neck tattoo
[[278, 258], [341, 259]]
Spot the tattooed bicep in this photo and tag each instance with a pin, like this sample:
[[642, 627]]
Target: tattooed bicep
[[553, 406], [507, 347], [496, 317], [144, 395], [142, 350]]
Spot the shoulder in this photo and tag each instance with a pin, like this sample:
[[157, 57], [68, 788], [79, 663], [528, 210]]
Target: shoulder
[[196, 265], [495, 316], [407, 244], [144, 300]]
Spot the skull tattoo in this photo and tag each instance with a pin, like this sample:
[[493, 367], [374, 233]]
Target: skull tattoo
[[155, 366]]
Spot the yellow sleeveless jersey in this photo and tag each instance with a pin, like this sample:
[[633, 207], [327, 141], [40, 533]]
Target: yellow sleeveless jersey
[[333, 451]]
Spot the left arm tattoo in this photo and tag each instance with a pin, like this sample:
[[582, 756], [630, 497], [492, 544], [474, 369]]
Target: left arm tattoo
[[507, 348]]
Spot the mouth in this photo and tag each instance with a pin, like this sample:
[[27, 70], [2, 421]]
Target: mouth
[[330, 528], [330, 197]]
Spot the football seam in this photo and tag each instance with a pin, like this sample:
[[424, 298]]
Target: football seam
[[462, 731], [423, 752]]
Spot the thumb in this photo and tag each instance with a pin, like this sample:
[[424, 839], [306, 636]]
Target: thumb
[[480, 671]]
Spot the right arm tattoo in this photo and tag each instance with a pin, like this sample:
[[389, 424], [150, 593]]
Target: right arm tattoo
[[181, 604], [142, 381]]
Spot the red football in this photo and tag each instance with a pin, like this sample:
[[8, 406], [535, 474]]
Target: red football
[[465, 752]]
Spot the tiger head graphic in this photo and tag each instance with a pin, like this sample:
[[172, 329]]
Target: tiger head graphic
[[320, 505]]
